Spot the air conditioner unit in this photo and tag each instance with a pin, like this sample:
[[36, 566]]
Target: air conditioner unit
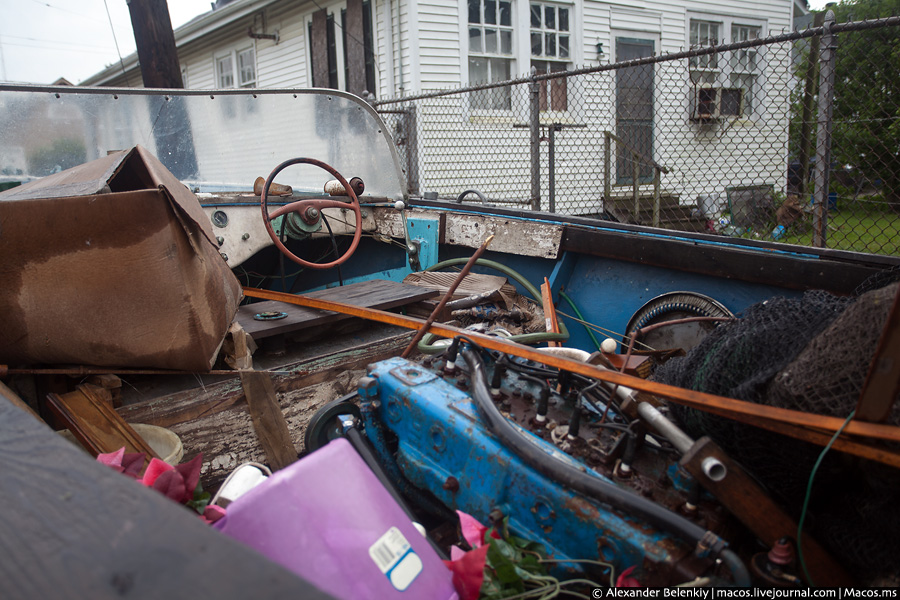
[[714, 103]]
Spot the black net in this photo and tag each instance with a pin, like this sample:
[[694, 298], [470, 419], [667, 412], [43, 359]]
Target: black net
[[810, 354]]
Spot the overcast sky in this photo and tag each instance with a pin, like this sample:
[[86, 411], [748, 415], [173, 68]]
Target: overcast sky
[[43, 40]]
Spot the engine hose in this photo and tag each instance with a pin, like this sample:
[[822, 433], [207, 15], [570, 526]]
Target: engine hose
[[594, 488], [426, 345]]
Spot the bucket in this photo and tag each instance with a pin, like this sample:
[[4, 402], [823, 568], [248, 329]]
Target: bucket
[[164, 442]]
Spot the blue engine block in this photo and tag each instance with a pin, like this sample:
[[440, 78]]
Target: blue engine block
[[429, 430]]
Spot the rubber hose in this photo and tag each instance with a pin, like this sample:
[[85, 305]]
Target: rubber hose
[[738, 570], [426, 346], [594, 488], [578, 314]]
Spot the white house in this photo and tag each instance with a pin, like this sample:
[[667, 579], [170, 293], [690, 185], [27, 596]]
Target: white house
[[392, 48]]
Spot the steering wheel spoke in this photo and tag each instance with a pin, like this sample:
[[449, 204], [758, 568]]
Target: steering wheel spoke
[[303, 207]]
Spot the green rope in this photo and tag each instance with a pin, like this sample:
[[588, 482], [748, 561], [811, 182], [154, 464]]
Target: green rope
[[809, 493]]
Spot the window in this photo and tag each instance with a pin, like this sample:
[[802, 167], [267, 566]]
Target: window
[[490, 51], [236, 66], [550, 49], [726, 84], [352, 48]]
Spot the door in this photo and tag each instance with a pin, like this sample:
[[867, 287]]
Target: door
[[634, 109]]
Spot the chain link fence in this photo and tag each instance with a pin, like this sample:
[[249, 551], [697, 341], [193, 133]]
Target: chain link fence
[[794, 138]]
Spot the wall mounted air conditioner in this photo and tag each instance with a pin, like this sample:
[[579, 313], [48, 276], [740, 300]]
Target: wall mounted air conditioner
[[716, 103]]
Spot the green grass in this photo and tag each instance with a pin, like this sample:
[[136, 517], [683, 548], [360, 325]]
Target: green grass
[[865, 225], [859, 227]]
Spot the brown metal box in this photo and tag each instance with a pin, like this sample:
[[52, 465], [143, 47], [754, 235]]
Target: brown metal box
[[111, 263]]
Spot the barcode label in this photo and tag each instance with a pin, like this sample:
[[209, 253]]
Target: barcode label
[[389, 549], [394, 556]]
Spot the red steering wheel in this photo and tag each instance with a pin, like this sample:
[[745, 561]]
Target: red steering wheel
[[303, 208]]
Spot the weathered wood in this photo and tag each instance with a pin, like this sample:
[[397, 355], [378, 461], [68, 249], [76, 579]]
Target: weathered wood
[[376, 293], [883, 379], [216, 422], [268, 420], [14, 399], [755, 508], [73, 528], [89, 415], [155, 43]]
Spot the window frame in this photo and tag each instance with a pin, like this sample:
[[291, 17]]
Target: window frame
[[722, 74], [521, 59], [232, 55]]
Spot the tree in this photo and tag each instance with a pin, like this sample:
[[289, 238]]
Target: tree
[[866, 130]]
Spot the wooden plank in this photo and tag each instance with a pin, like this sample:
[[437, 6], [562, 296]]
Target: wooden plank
[[268, 420], [72, 528], [883, 380], [216, 422], [746, 500], [88, 414], [376, 293]]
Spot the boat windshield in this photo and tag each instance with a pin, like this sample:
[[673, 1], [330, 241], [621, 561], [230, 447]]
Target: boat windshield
[[213, 140]]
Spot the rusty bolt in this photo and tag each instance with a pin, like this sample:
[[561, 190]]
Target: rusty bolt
[[496, 517], [451, 485]]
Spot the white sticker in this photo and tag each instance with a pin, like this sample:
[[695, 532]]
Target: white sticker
[[395, 557]]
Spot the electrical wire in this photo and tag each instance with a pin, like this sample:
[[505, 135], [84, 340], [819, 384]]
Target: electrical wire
[[334, 247], [116, 41], [809, 484]]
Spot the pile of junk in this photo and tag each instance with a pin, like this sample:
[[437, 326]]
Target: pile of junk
[[471, 464]]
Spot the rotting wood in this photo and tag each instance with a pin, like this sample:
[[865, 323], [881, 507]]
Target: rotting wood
[[268, 420], [216, 421], [172, 409]]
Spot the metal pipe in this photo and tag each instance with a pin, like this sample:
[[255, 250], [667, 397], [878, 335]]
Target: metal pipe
[[534, 90], [667, 428], [823, 132]]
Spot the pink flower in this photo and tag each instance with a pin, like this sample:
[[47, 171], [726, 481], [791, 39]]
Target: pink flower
[[624, 580], [468, 572], [128, 464], [178, 482]]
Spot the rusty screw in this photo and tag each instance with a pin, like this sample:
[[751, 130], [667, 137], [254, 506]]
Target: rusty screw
[[451, 485]]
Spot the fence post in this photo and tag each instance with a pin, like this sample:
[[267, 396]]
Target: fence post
[[534, 113], [551, 167], [607, 170], [412, 149], [823, 133], [656, 184], [635, 186], [809, 93]]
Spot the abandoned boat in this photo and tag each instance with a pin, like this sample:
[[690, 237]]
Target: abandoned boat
[[669, 430]]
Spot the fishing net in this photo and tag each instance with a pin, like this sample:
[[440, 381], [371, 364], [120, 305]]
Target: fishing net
[[810, 354]]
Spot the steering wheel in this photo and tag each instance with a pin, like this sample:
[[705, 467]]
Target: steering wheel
[[309, 210]]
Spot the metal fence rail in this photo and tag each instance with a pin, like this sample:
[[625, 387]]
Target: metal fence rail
[[794, 137]]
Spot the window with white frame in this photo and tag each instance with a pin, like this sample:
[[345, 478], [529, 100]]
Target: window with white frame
[[551, 50], [490, 34], [727, 85], [236, 68]]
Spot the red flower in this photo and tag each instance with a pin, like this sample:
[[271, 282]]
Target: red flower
[[624, 580]]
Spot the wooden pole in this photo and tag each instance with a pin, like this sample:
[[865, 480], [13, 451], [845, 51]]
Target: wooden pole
[[155, 42], [437, 309]]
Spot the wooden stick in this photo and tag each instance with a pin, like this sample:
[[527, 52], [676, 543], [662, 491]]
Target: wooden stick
[[549, 311], [437, 309], [726, 407]]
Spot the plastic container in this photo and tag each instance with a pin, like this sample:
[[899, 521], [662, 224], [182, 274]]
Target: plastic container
[[328, 519]]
